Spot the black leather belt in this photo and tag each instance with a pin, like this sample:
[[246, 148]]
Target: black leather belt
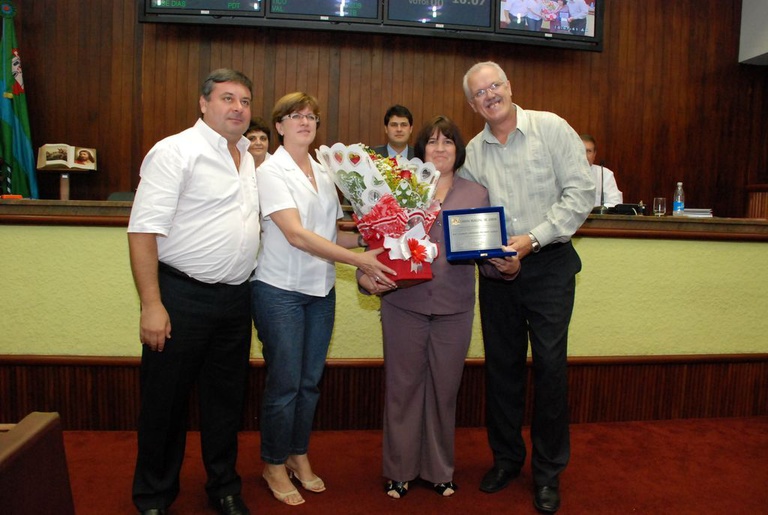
[[553, 246], [168, 269]]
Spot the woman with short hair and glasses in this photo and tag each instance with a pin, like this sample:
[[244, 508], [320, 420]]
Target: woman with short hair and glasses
[[293, 296]]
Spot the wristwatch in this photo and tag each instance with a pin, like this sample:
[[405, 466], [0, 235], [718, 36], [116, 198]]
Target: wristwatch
[[535, 245]]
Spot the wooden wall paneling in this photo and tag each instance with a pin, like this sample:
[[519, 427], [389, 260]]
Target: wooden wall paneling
[[267, 81], [666, 97], [155, 125], [182, 111], [757, 202], [358, 75], [335, 98], [431, 85], [103, 393], [410, 86], [281, 79], [343, 99], [119, 100], [320, 60], [452, 93], [371, 130]]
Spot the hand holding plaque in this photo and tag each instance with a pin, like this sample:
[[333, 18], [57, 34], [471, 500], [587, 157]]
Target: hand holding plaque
[[477, 233]]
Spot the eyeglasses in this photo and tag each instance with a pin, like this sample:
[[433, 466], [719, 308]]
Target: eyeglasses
[[296, 117], [480, 93]]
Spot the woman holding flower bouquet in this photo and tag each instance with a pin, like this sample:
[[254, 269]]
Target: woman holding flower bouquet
[[427, 329], [293, 296]]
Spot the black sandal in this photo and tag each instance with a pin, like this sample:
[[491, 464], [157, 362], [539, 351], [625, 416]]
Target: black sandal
[[399, 487], [441, 488]]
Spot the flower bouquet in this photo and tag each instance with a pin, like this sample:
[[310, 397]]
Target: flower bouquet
[[393, 203]]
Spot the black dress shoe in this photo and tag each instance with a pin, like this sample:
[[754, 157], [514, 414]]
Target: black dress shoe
[[497, 479], [546, 499], [153, 511], [231, 505]]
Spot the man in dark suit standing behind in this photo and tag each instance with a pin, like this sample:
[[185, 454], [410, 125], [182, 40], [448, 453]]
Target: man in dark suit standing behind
[[398, 126]]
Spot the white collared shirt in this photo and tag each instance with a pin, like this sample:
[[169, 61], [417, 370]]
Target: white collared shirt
[[578, 9], [391, 152], [282, 185], [541, 175], [609, 191], [204, 210], [516, 8]]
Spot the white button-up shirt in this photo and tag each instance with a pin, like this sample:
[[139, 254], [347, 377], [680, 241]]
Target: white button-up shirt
[[541, 176], [203, 209], [282, 185]]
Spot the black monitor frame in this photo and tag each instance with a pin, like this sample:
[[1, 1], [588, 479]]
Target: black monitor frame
[[197, 8], [381, 26], [556, 37], [329, 16], [396, 18]]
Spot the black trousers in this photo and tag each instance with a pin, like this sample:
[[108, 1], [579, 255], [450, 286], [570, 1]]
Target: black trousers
[[537, 304], [210, 346], [579, 27]]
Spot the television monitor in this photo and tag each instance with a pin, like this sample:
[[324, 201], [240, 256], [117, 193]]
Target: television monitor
[[577, 23], [205, 7], [365, 11], [499, 21], [473, 15]]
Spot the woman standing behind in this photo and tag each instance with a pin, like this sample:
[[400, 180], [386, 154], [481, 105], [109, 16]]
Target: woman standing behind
[[258, 134], [293, 296], [427, 329]]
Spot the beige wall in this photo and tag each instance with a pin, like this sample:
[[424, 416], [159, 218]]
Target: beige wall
[[68, 291]]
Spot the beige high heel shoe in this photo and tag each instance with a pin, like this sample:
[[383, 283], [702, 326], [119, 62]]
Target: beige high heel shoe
[[313, 485], [283, 497]]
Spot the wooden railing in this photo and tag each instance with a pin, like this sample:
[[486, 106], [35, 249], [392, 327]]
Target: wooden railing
[[103, 393]]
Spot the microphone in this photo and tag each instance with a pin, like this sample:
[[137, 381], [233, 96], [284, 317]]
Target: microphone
[[602, 186], [601, 209]]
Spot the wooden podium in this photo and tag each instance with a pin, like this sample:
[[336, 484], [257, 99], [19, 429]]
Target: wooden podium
[[65, 159], [64, 179]]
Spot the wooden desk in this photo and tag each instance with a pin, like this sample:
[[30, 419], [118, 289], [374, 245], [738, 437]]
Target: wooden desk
[[61, 212]]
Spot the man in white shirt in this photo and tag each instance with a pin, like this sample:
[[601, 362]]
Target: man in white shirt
[[607, 192], [193, 237], [513, 12], [577, 19], [533, 164]]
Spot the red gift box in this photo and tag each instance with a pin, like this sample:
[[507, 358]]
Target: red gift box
[[405, 275]]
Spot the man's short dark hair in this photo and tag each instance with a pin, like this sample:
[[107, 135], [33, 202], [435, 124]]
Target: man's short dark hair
[[224, 75], [398, 110]]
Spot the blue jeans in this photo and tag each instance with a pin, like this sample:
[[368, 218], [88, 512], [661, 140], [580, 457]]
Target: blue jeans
[[295, 330]]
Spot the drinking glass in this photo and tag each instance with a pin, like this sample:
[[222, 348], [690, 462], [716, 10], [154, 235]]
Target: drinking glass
[[659, 206]]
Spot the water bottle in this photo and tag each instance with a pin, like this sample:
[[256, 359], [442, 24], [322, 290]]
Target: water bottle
[[678, 201]]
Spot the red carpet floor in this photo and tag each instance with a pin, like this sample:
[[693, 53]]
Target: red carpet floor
[[702, 466]]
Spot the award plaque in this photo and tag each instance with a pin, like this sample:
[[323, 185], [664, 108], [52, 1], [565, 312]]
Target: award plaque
[[476, 233]]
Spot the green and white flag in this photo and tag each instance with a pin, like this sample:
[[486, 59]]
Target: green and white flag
[[17, 165]]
